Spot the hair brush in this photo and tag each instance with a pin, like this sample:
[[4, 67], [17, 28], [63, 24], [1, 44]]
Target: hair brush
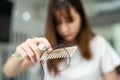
[[64, 52]]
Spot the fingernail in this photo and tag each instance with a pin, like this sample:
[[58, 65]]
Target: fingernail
[[50, 49]]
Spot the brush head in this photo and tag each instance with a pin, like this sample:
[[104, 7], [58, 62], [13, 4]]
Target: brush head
[[59, 53]]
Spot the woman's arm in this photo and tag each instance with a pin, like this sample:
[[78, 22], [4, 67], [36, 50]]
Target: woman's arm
[[30, 51], [14, 67], [111, 76]]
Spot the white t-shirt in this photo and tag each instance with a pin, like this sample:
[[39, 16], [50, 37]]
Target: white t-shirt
[[104, 60]]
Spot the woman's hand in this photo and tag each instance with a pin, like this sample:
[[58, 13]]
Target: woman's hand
[[30, 50]]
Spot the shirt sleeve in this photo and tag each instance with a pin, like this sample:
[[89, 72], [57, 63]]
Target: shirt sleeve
[[109, 58]]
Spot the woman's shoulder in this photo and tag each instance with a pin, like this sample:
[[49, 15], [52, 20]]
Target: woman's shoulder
[[99, 43], [98, 39]]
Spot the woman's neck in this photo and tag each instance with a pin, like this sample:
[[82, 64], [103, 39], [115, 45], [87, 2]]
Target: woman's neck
[[70, 43]]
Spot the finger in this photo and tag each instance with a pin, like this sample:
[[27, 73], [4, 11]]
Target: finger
[[29, 52], [26, 57], [35, 49], [21, 51]]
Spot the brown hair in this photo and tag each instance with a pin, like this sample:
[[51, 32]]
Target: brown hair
[[83, 38]]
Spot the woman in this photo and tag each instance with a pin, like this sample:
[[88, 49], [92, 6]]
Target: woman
[[94, 59]]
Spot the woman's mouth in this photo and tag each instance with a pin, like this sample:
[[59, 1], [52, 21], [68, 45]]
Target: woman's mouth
[[68, 35]]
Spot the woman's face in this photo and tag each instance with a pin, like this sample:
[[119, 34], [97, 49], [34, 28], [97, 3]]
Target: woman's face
[[69, 30]]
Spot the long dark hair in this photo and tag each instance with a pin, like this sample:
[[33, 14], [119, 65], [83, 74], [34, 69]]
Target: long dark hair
[[84, 36]]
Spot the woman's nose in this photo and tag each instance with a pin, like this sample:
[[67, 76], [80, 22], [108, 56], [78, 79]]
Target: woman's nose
[[64, 27]]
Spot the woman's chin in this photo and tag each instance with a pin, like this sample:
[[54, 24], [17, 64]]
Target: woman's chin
[[69, 39]]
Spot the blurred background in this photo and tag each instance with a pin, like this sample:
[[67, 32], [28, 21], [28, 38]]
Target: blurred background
[[22, 19]]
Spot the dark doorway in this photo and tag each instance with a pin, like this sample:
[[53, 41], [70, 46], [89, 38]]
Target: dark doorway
[[5, 19]]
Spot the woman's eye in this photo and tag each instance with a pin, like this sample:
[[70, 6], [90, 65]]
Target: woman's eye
[[70, 20]]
